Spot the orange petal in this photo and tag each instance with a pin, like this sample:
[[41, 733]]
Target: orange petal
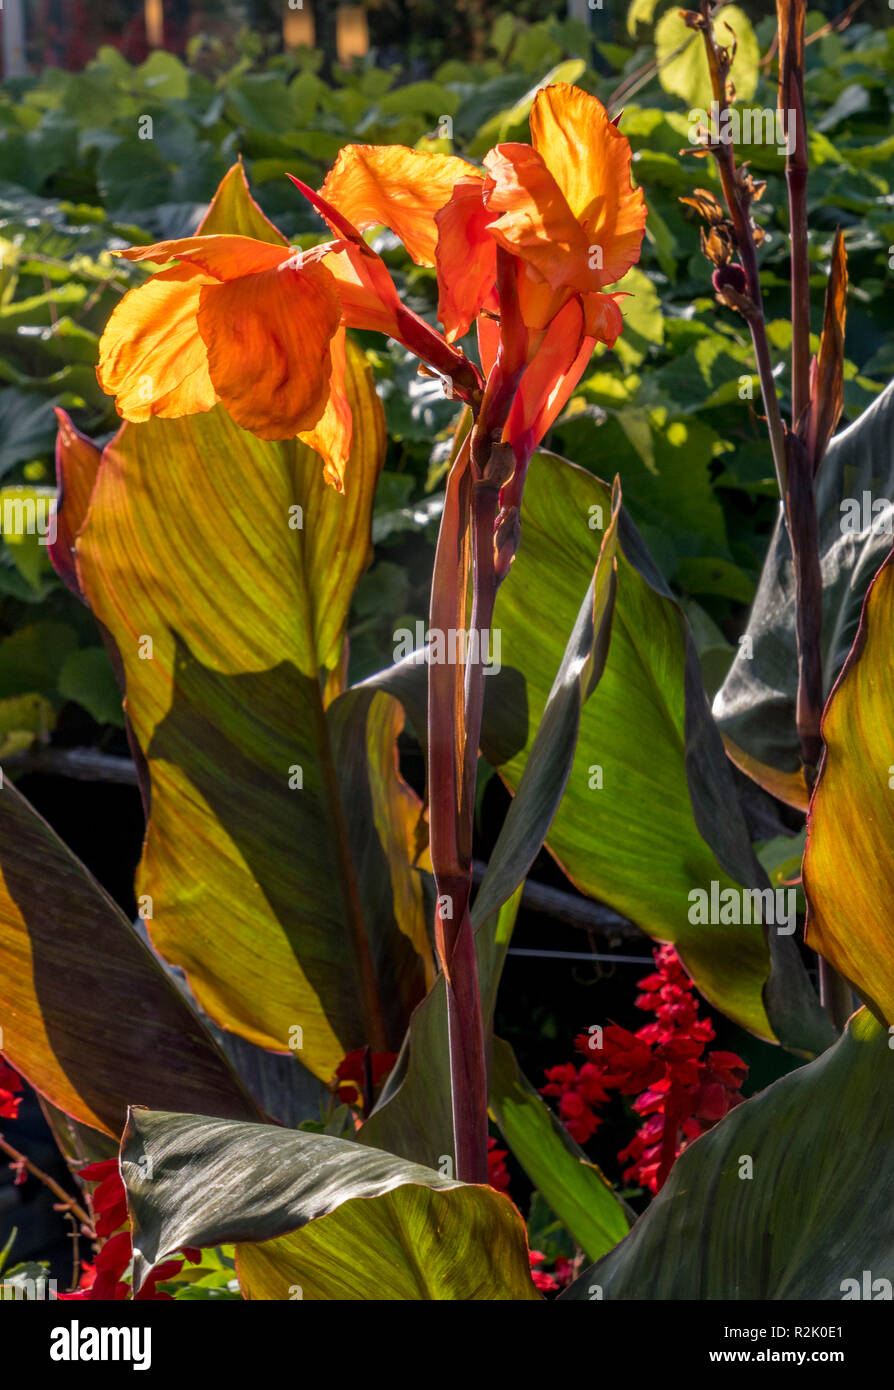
[[396, 187], [488, 335], [535, 221], [603, 319], [267, 336], [466, 257], [332, 435], [547, 385], [222, 257], [368, 295], [538, 301], [370, 300], [151, 358], [589, 159]]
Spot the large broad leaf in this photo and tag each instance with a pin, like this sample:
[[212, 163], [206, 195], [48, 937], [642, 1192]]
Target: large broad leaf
[[649, 814], [223, 568], [88, 1015], [849, 861], [225, 616], [788, 1197], [755, 706], [316, 1217]]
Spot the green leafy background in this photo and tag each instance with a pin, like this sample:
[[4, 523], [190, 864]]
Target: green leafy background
[[77, 179]]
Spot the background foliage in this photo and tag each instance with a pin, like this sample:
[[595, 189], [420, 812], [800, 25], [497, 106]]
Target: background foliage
[[77, 179]]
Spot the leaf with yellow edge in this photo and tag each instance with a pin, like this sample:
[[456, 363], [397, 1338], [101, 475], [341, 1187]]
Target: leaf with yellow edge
[[849, 864], [87, 1013], [234, 212], [790, 787], [223, 568]]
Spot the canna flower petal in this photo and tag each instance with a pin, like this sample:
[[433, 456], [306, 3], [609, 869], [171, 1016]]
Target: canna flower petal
[[237, 321], [396, 187], [590, 160], [535, 221], [603, 319], [465, 256], [268, 339], [546, 386], [332, 435], [488, 331], [151, 358], [566, 202], [369, 297], [221, 257]]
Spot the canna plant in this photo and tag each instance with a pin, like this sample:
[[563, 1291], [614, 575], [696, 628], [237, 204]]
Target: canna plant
[[317, 907]]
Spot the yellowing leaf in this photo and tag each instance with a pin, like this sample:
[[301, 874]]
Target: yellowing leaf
[[849, 863]]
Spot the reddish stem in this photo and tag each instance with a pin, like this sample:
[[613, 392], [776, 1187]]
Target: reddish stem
[[66, 1202], [456, 705]]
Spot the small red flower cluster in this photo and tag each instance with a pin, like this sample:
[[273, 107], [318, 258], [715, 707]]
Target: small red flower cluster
[[560, 1278], [680, 1090], [497, 1172], [10, 1083], [351, 1079], [102, 1281]]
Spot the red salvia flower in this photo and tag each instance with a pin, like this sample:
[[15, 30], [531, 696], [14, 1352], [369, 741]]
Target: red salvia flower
[[102, 1281], [10, 1084], [497, 1172], [542, 1281], [350, 1075], [680, 1090]]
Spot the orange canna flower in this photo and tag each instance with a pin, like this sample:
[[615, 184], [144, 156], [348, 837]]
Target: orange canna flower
[[252, 325], [368, 294], [560, 212], [260, 328], [564, 211], [565, 202], [525, 249]]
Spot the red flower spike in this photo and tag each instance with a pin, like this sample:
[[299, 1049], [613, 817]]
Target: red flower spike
[[680, 1090]]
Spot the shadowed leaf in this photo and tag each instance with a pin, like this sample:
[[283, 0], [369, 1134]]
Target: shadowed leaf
[[755, 706], [812, 1211], [316, 1217], [649, 813], [89, 1016]]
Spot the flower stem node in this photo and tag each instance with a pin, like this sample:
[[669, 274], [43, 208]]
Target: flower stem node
[[498, 468], [507, 538]]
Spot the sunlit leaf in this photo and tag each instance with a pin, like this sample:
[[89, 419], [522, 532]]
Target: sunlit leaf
[[848, 862]]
